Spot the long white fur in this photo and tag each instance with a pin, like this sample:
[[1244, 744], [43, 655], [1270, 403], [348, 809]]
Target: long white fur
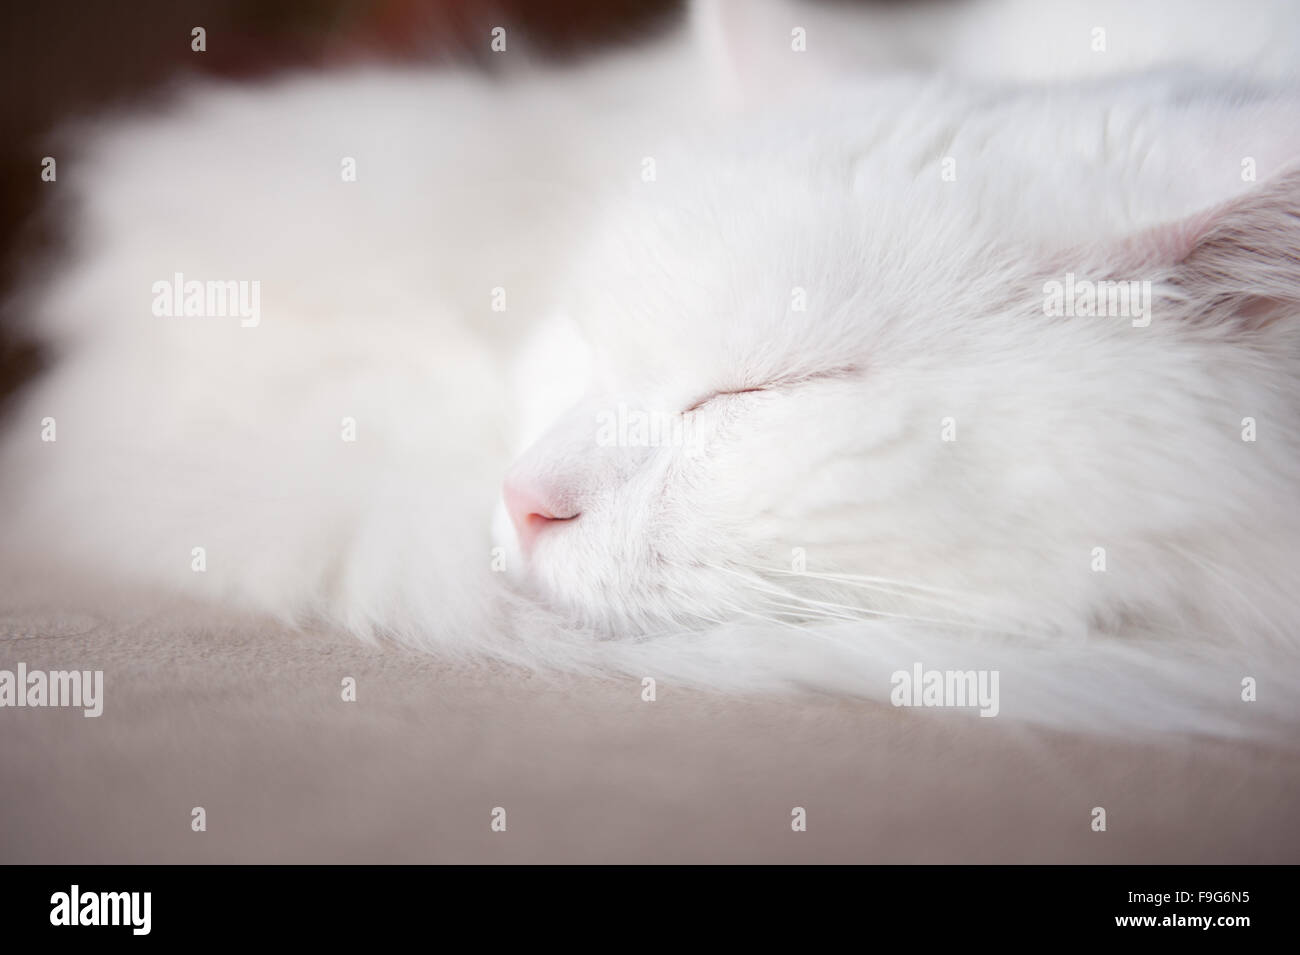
[[925, 304]]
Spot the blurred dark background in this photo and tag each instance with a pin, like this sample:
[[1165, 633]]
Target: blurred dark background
[[65, 59]]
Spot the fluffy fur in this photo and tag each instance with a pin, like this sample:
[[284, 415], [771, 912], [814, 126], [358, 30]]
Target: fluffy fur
[[818, 529]]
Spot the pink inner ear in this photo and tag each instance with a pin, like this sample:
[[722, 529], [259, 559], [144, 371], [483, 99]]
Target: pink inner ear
[[1169, 243], [1238, 262], [1250, 212]]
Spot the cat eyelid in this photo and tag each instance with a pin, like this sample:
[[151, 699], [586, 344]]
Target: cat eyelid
[[844, 372], [723, 394]]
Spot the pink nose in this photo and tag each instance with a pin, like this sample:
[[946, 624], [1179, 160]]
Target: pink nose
[[531, 512]]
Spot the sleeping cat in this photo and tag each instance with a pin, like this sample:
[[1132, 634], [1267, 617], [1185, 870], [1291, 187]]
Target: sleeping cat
[[830, 412]]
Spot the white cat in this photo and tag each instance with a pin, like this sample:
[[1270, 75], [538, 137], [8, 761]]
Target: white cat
[[835, 424]]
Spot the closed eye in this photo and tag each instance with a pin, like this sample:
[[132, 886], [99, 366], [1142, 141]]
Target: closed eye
[[721, 394], [844, 372]]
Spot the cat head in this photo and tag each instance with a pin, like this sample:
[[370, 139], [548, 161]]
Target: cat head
[[813, 398]]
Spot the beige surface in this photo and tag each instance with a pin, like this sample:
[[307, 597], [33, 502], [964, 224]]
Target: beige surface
[[246, 720]]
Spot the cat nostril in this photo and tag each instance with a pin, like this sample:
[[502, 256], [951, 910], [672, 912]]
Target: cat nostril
[[531, 513]]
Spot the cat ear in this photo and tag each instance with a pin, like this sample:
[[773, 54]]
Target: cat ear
[[1238, 262]]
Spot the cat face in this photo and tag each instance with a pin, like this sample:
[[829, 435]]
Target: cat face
[[814, 403]]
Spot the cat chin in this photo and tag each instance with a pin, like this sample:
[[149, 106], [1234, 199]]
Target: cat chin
[[604, 596]]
